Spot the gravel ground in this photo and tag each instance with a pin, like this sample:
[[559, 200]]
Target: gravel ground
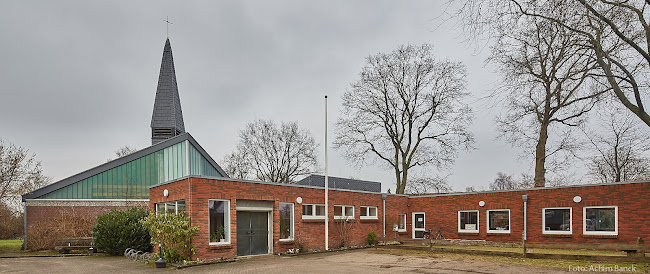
[[358, 261]]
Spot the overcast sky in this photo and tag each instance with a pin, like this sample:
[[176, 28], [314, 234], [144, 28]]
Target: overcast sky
[[78, 78]]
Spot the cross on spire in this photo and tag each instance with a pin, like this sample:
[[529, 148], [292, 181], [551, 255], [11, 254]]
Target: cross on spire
[[168, 23]]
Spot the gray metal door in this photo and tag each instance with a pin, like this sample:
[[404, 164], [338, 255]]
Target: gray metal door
[[252, 233]]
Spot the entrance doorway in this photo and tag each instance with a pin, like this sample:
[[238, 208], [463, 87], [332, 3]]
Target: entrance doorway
[[252, 233], [418, 225]]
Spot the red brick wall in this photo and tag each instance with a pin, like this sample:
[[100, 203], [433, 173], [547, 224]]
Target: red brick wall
[[631, 199], [309, 233]]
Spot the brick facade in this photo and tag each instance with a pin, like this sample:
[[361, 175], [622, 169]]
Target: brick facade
[[440, 211]]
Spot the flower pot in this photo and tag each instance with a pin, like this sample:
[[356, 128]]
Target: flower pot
[[161, 263]]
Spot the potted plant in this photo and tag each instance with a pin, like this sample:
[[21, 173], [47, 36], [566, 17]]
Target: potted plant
[[221, 233]]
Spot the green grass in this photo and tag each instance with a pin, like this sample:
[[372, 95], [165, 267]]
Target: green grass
[[10, 246], [536, 250], [551, 263]]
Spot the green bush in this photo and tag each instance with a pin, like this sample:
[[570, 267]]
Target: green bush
[[371, 239], [118, 230], [173, 233]]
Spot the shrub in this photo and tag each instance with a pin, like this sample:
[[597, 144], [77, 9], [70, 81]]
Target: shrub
[[64, 223], [173, 233], [118, 230], [371, 239]]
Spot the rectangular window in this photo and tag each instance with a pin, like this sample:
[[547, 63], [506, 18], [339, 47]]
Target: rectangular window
[[601, 220], [310, 211], [343, 212], [498, 221], [368, 212], [173, 207], [556, 220], [402, 223], [219, 213], [468, 221], [286, 221]]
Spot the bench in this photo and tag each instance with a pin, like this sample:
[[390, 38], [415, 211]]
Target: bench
[[65, 245]]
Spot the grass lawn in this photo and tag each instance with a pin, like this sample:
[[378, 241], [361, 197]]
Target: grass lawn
[[559, 264], [537, 250], [10, 246]]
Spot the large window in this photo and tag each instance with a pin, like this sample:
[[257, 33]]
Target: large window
[[468, 221], [286, 221], [219, 211], [310, 211], [601, 220], [173, 207], [368, 212], [498, 221], [556, 220], [402, 223], [343, 212]]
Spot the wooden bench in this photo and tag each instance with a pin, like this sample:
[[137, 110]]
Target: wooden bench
[[65, 245]]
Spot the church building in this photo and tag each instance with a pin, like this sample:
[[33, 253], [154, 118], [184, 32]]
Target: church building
[[242, 217]]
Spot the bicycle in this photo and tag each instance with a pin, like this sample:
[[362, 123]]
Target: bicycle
[[439, 235]]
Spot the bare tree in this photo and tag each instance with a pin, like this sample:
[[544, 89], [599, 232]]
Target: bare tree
[[406, 110], [616, 31], [508, 182], [20, 173], [547, 83], [423, 185], [272, 153], [123, 151], [236, 165], [619, 150]]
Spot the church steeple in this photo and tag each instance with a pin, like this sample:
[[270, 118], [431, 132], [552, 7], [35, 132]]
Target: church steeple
[[167, 118]]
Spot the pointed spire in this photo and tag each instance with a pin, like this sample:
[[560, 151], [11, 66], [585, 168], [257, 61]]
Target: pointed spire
[[167, 118]]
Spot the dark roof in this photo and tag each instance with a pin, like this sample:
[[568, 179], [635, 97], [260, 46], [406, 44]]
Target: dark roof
[[341, 183], [167, 111], [123, 160]]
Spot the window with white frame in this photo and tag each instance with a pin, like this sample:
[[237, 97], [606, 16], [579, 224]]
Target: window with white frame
[[219, 218], [600, 220], [313, 211], [368, 212], [402, 223], [468, 221], [173, 207], [556, 220], [498, 221], [286, 221], [343, 212]]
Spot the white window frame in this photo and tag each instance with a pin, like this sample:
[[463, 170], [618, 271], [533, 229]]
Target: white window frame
[[487, 216], [344, 217], [478, 221], [399, 216], [367, 210], [544, 231], [226, 220], [584, 221], [313, 215], [293, 214]]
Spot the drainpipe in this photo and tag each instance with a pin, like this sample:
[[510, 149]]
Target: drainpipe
[[523, 234], [25, 225], [383, 201]]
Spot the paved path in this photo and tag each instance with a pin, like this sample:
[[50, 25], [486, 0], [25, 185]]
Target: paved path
[[358, 261]]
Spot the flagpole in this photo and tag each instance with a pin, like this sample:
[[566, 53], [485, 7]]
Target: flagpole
[[326, 185]]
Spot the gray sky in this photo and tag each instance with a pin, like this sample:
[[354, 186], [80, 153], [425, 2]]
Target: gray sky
[[79, 77]]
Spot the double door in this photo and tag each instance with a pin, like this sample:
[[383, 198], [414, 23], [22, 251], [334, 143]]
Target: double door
[[252, 233]]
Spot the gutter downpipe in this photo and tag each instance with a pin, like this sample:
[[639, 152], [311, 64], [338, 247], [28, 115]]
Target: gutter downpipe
[[383, 210], [524, 235]]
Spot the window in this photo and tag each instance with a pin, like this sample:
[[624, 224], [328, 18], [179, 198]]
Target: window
[[310, 211], [601, 220], [368, 212], [498, 221], [343, 212], [286, 221], [219, 213], [402, 223], [468, 221], [173, 207], [556, 220]]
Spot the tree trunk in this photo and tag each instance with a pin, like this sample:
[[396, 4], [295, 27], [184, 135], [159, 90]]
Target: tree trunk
[[540, 156]]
